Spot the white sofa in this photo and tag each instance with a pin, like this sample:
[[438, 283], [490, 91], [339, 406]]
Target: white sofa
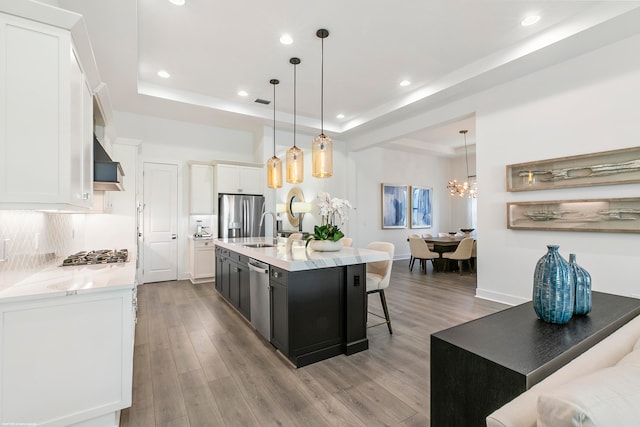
[[601, 387]]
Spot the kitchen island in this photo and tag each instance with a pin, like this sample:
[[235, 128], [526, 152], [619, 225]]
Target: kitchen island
[[318, 300]]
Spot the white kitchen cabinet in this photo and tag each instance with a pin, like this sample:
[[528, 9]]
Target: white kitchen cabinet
[[201, 200], [67, 359], [202, 261], [237, 179], [46, 146]]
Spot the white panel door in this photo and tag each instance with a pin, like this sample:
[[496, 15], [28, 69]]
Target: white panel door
[[160, 222]]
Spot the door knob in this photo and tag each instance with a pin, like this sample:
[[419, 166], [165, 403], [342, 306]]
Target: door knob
[[174, 236]]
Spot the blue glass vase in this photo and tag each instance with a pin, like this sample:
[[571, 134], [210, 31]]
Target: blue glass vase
[[582, 283], [553, 290]]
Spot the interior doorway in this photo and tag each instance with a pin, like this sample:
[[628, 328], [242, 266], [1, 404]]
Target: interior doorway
[[160, 222]]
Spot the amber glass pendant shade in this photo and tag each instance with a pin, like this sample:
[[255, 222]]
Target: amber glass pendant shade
[[274, 172], [274, 164], [295, 165], [322, 156]]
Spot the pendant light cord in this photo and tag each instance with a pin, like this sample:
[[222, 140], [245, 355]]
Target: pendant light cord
[[322, 88], [294, 104], [274, 119], [466, 155]]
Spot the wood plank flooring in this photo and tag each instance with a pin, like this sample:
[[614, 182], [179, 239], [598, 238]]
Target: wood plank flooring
[[197, 362]]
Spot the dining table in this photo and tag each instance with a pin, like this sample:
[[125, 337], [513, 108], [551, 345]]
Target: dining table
[[442, 245]]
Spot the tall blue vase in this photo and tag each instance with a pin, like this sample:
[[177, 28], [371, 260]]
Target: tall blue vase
[[582, 284], [553, 290]]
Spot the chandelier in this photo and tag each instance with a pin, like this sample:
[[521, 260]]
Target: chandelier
[[468, 188]]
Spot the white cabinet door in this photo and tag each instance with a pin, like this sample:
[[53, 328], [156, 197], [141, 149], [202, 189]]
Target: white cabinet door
[[201, 197], [42, 118], [203, 260], [251, 180], [228, 179], [66, 359], [239, 179]]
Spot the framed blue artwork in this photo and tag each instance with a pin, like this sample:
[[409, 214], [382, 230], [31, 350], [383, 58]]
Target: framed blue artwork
[[395, 200], [420, 207]]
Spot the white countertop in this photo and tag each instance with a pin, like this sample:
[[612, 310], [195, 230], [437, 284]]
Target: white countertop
[[53, 281], [299, 258]]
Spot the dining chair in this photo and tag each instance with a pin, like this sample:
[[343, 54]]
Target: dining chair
[[429, 236], [462, 252], [378, 276], [346, 242], [474, 255], [292, 237], [409, 239], [420, 250]]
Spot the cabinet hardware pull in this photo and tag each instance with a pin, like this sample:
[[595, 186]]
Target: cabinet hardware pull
[[85, 196]]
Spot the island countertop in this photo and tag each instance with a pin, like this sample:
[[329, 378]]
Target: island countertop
[[297, 257], [54, 281]]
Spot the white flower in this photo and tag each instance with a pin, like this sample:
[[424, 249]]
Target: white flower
[[335, 209]]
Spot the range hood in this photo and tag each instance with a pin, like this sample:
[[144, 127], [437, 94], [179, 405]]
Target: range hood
[[107, 174]]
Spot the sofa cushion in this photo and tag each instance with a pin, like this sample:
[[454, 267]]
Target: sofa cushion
[[632, 358], [608, 397]]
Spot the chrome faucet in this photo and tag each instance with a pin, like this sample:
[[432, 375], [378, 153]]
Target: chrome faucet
[[275, 232]]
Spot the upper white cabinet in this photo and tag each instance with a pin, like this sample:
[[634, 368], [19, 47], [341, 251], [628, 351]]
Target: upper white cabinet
[[201, 195], [239, 179], [46, 143]]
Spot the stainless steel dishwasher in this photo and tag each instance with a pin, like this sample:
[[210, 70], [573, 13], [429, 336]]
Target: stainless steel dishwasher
[[259, 293]]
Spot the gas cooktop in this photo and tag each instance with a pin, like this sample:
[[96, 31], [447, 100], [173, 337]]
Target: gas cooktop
[[101, 256]]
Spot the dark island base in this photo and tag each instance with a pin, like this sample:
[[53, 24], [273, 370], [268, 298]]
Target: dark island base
[[315, 314]]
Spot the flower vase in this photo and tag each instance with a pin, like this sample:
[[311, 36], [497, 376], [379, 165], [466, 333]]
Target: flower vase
[[553, 290], [325, 245], [582, 284]]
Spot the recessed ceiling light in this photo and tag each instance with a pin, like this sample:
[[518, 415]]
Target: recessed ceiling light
[[243, 93], [340, 116], [177, 2], [164, 74], [529, 20], [405, 83], [286, 39]]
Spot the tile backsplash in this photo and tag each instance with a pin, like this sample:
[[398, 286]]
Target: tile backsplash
[[34, 239]]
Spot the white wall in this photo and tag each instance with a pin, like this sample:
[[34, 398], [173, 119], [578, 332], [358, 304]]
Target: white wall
[[335, 186], [174, 142], [375, 166], [117, 229], [460, 207], [584, 105]]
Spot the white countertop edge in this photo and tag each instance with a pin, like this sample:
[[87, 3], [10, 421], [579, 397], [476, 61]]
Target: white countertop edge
[[55, 281], [299, 258]]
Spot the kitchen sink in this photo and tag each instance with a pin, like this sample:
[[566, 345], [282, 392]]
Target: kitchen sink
[[258, 245]]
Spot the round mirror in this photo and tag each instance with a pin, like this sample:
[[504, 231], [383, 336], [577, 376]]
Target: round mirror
[[295, 196]]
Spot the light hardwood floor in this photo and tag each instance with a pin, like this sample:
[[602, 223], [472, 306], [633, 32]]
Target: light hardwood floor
[[197, 362]]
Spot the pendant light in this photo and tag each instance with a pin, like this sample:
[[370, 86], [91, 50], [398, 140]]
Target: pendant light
[[322, 145], [466, 188], [295, 156], [274, 164]]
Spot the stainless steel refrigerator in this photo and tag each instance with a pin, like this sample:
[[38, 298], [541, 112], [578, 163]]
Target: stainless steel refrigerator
[[239, 215]]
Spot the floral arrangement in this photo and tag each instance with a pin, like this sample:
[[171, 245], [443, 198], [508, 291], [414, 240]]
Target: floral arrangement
[[332, 211]]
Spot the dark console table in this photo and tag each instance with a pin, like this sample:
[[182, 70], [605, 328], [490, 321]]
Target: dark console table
[[479, 366]]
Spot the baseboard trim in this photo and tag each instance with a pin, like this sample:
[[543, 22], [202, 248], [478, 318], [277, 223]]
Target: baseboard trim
[[500, 297]]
